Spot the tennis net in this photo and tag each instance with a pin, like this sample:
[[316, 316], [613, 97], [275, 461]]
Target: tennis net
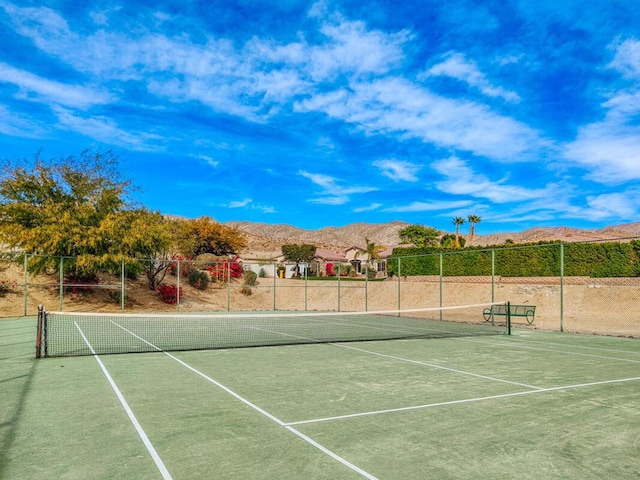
[[73, 333]]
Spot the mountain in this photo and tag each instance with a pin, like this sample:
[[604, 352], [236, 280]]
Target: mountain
[[347, 236], [264, 240]]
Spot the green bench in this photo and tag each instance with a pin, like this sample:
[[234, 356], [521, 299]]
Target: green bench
[[526, 311]]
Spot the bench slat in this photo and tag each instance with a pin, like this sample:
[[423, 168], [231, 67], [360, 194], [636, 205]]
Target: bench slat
[[527, 311]]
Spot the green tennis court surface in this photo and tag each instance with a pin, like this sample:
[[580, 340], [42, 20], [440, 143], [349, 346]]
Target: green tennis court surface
[[530, 405]]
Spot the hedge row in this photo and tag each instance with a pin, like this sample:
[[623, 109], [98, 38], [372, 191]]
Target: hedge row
[[540, 260]]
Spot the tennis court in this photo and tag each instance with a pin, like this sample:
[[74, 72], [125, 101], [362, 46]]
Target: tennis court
[[527, 405]]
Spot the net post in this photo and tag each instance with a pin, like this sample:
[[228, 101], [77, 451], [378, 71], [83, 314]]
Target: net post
[[508, 318], [39, 331]]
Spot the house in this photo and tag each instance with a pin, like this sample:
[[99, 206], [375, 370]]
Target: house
[[349, 261], [359, 259], [325, 257], [353, 258]]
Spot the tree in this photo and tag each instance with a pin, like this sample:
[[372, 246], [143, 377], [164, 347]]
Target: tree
[[371, 250], [473, 221], [76, 208], [449, 241], [419, 235], [57, 208], [140, 239], [303, 253], [152, 238], [458, 222], [205, 235]]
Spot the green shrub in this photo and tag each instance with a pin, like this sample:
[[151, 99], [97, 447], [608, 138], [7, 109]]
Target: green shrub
[[250, 277], [609, 259], [198, 279], [262, 273], [115, 296]]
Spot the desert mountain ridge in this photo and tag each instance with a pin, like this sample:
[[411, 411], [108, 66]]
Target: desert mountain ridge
[[264, 240]]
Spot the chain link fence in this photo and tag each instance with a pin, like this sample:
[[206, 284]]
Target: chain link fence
[[574, 287]]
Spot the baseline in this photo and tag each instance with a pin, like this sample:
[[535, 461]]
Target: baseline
[[585, 347], [518, 344], [466, 400]]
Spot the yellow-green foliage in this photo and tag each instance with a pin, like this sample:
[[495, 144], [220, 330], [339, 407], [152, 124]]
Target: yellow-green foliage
[[205, 235], [76, 207]]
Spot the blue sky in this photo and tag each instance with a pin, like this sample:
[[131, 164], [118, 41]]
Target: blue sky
[[525, 113]]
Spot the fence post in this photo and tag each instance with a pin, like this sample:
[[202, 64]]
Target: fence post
[[562, 287], [275, 277], [441, 285], [493, 275], [399, 274], [229, 286], [61, 293], [366, 294], [178, 268], [123, 291], [26, 283], [306, 290], [338, 286], [39, 331]]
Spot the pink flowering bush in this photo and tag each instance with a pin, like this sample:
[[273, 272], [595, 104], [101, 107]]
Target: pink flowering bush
[[169, 293]]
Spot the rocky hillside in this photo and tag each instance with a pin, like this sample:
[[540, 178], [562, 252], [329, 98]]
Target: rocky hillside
[[264, 240], [347, 236]]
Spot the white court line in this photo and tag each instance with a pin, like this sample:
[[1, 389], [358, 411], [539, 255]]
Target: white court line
[[440, 367], [310, 441], [458, 402], [147, 443], [408, 360], [518, 344], [578, 346]]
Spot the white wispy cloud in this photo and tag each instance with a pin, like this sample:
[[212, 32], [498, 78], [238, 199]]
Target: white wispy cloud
[[18, 125], [106, 130], [368, 208], [248, 203], [216, 73], [619, 205], [460, 179], [240, 203], [395, 106], [627, 58], [35, 88], [456, 65], [398, 170], [207, 159], [354, 49], [616, 206], [258, 79], [610, 148], [430, 206], [331, 192]]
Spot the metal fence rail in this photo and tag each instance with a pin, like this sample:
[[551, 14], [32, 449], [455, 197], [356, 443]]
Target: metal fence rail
[[566, 297]]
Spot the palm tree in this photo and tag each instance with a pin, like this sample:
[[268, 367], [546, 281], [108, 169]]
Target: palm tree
[[473, 221], [372, 250], [458, 222]]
